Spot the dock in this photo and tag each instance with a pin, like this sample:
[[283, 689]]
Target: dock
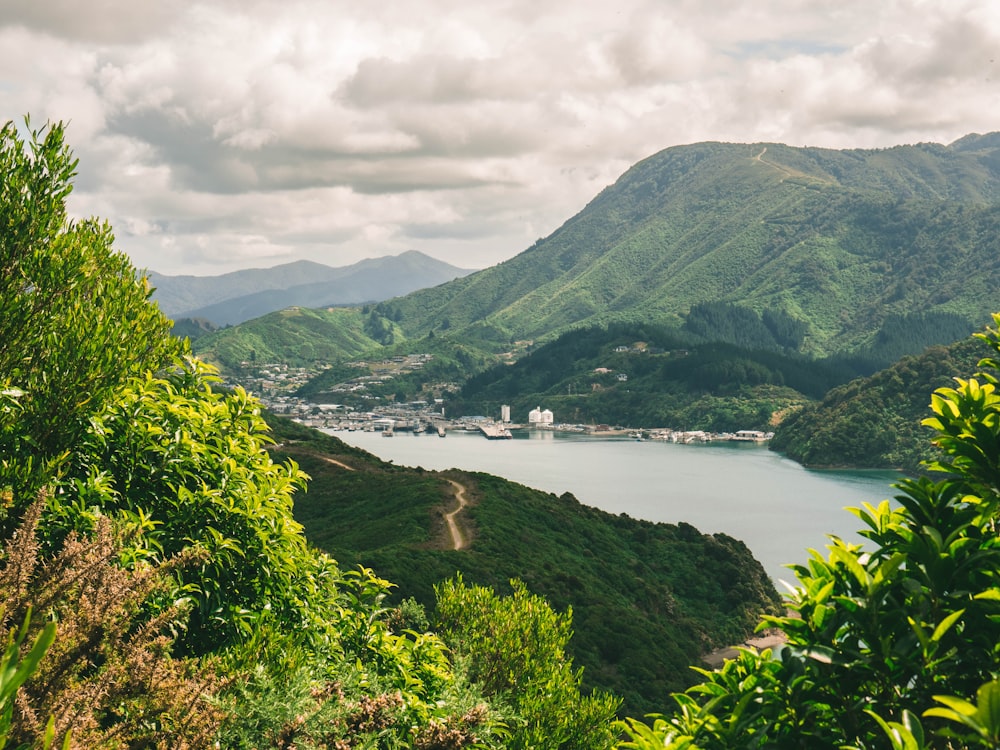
[[494, 431]]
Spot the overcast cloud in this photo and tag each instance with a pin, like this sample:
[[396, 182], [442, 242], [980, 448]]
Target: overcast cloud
[[225, 134]]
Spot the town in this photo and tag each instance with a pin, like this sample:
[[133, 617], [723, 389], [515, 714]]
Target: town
[[277, 384]]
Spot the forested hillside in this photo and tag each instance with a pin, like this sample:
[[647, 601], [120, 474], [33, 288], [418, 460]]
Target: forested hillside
[[838, 241], [653, 376], [875, 422], [648, 599], [853, 257]]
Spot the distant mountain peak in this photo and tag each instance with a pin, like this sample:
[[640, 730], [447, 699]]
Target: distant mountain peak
[[236, 296]]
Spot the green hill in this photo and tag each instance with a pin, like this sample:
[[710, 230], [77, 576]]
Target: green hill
[[875, 422], [648, 599], [837, 244], [651, 376], [297, 336], [838, 240]]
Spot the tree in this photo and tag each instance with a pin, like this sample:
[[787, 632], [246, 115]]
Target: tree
[[189, 465], [885, 636], [516, 648], [75, 321]]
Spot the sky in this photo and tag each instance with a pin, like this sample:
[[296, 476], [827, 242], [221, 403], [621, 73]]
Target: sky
[[216, 135]]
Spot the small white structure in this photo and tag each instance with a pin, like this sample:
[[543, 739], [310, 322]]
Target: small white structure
[[505, 413]]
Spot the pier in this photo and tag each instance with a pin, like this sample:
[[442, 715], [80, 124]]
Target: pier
[[494, 431]]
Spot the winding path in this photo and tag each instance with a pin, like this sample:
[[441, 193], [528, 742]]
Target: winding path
[[458, 541]]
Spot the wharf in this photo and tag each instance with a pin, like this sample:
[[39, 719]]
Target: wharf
[[494, 431]]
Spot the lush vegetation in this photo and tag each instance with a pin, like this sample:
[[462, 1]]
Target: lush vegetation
[[154, 586], [835, 244], [652, 376], [647, 599], [894, 646], [875, 422]]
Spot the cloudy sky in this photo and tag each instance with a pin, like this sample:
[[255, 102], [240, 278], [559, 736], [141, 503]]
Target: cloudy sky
[[224, 134]]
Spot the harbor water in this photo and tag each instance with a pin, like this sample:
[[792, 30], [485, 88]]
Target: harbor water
[[779, 509]]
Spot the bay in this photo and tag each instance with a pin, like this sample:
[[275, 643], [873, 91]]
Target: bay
[[774, 505]]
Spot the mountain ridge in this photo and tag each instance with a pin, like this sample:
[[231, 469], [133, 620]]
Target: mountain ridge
[[238, 296], [764, 224]]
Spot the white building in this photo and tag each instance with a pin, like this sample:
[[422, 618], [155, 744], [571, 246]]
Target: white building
[[505, 413], [537, 417]]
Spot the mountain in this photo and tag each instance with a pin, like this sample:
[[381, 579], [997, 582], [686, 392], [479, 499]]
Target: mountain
[[235, 297], [648, 599], [838, 240]]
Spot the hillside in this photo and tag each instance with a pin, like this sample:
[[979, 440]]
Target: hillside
[[650, 376], [648, 599], [296, 336], [838, 240], [232, 298], [875, 422]]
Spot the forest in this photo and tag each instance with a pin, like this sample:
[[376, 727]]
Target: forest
[[673, 377]]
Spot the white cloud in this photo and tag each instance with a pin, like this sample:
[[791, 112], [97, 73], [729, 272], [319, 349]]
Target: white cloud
[[219, 133]]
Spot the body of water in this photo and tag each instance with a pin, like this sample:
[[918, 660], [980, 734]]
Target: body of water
[[779, 509]]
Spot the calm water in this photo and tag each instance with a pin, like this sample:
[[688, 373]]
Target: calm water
[[774, 505]]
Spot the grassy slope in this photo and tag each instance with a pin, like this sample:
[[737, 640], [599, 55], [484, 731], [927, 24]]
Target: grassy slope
[[647, 598], [296, 336]]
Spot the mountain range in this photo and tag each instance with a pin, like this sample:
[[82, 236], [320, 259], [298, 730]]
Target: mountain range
[[232, 298]]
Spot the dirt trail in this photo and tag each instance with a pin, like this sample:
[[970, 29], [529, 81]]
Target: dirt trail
[[335, 462], [458, 541]]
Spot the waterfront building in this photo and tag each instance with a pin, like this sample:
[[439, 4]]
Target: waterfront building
[[539, 418]]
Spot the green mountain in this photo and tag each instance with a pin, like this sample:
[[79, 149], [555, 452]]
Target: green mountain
[[297, 336], [235, 297], [648, 599], [875, 422], [836, 240]]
